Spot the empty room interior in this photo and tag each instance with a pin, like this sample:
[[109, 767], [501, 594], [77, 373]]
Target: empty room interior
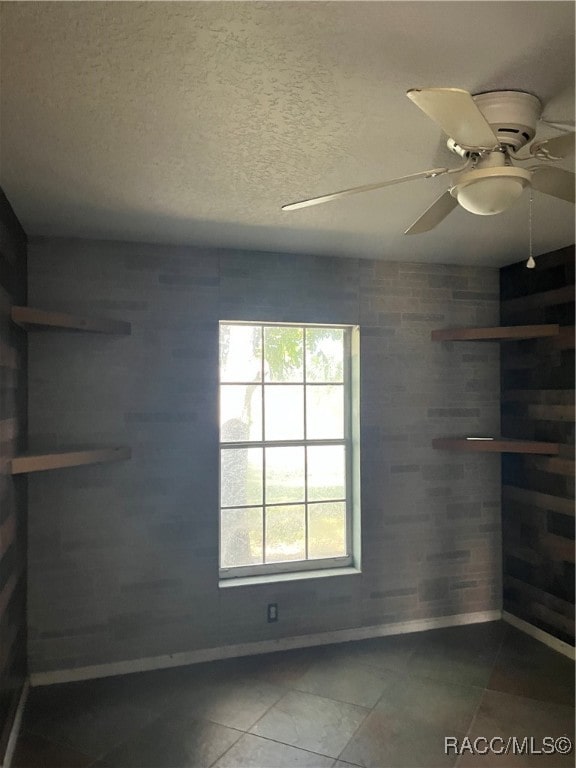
[[287, 384]]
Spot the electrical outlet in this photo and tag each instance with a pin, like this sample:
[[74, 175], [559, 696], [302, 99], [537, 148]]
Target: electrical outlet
[[272, 612]]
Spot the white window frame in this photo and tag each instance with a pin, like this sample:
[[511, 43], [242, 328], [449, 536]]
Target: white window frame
[[350, 441]]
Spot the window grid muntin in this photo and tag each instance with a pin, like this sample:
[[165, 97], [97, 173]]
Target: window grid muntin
[[263, 406], [345, 442], [305, 403]]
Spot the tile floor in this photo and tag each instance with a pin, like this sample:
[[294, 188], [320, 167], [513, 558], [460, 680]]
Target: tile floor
[[382, 703]]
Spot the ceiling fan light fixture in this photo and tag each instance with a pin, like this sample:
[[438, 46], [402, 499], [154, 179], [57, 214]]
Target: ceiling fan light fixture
[[488, 191], [489, 196]]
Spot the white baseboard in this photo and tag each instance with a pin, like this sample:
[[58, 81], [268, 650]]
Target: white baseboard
[[251, 649], [15, 730], [539, 634]]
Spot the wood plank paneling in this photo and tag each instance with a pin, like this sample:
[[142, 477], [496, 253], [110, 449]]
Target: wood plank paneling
[[552, 396], [553, 466], [39, 319], [541, 500], [7, 533], [536, 595], [566, 339], [536, 614], [558, 547], [9, 357], [562, 295], [551, 412], [41, 462], [501, 333], [496, 445], [9, 429], [8, 590], [13, 428], [537, 378]]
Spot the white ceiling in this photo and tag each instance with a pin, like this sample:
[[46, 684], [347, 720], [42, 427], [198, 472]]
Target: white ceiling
[[193, 122]]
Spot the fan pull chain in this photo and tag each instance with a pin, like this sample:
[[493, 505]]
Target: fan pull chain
[[530, 263]]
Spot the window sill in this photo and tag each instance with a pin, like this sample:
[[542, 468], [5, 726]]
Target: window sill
[[273, 578]]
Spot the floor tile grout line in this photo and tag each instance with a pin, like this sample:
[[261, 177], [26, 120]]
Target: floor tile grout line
[[242, 733], [401, 674], [424, 676], [248, 732], [277, 741], [201, 717], [292, 686], [153, 719], [170, 715], [508, 631], [57, 743], [440, 679], [258, 719], [481, 698], [340, 701], [336, 701], [318, 696], [404, 673], [505, 634], [551, 702], [290, 689], [358, 728]]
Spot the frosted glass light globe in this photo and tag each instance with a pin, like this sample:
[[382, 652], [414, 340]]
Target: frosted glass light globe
[[489, 190], [486, 197]]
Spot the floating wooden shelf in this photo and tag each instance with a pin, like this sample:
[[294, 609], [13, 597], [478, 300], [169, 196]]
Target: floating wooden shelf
[[496, 445], [38, 319], [503, 333], [39, 462]]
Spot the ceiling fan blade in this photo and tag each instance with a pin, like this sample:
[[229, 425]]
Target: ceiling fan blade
[[554, 181], [437, 212], [364, 188], [457, 114], [559, 146]]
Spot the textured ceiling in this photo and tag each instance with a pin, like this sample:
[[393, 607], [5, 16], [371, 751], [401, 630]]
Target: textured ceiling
[[194, 122]]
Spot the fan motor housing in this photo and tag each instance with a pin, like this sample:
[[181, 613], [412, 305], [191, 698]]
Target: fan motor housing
[[513, 115]]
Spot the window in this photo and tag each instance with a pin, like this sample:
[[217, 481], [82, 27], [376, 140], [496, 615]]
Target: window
[[286, 439]]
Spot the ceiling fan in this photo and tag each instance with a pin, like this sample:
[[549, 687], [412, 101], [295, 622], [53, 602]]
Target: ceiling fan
[[486, 131]]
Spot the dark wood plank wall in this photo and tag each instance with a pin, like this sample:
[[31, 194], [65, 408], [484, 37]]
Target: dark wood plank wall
[[13, 503], [538, 404]]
